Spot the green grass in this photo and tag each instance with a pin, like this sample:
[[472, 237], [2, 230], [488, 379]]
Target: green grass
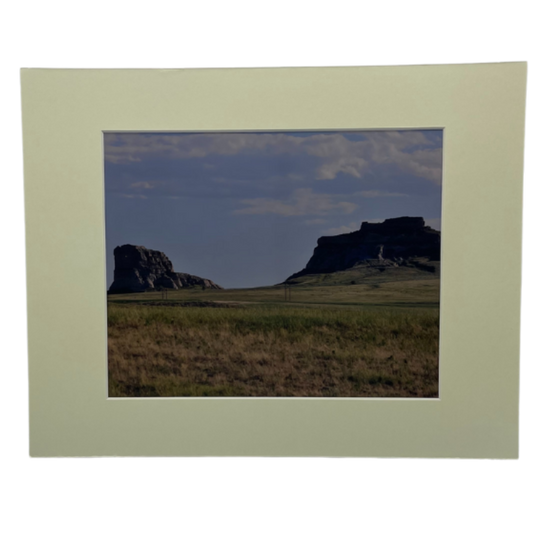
[[335, 341], [413, 293], [370, 275]]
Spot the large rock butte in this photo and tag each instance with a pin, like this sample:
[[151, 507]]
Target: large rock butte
[[137, 269], [402, 241]]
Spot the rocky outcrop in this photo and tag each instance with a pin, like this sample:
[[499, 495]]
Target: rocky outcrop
[[404, 241], [137, 269]]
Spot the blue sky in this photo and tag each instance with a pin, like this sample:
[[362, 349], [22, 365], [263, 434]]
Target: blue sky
[[246, 209]]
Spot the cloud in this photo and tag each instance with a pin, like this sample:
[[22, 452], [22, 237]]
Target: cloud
[[425, 163], [374, 193], [122, 157], [302, 202], [354, 226], [317, 221], [408, 151], [126, 147], [132, 196], [351, 165], [143, 185], [331, 153]]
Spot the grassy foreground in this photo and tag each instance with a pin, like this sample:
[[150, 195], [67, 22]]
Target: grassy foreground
[[194, 344]]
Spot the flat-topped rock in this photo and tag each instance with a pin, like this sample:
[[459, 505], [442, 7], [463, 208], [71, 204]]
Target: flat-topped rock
[[138, 269], [397, 241]]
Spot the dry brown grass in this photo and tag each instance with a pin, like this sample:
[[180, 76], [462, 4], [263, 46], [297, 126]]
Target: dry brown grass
[[272, 350]]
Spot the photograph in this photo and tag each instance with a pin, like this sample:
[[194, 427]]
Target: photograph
[[243, 275], [292, 264]]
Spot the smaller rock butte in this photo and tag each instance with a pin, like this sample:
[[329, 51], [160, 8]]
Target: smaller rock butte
[[394, 242], [137, 269]]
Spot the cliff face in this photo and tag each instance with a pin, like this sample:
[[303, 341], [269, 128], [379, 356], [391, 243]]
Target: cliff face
[[395, 242], [137, 269]]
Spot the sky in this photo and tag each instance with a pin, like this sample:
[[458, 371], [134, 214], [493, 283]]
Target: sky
[[246, 209]]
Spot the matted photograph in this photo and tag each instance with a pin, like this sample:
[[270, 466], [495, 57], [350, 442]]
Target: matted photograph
[[297, 278], [273, 264]]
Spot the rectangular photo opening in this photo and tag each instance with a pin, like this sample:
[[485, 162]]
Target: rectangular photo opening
[[273, 264]]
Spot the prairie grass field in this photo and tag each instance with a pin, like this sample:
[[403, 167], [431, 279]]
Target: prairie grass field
[[325, 340]]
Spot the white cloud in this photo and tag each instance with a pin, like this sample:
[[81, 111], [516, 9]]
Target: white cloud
[[383, 147], [143, 185], [374, 193], [125, 147], [302, 202], [131, 196], [352, 165], [425, 163], [410, 151], [121, 156], [395, 148], [354, 226]]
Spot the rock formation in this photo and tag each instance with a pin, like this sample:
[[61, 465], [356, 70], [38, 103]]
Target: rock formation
[[137, 269], [404, 241]]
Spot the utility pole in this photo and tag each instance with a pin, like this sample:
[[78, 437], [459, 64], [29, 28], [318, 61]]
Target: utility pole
[[287, 290]]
